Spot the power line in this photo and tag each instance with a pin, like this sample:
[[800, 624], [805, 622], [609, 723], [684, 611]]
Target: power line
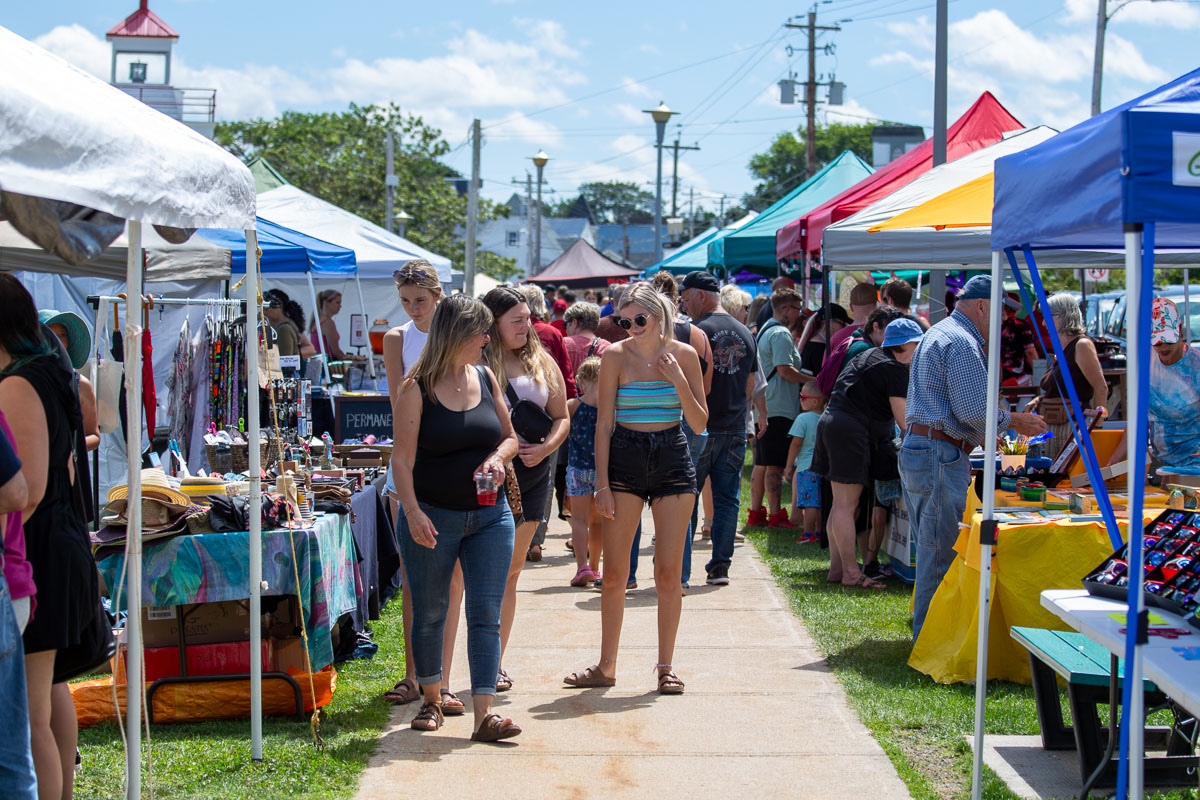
[[731, 79]]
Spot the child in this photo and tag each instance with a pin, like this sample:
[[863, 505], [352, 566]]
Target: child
[[806, 488], [586, 535]]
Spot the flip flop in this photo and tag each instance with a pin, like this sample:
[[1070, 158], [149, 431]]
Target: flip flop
[[403, 692], [590, 678], [494, 728]]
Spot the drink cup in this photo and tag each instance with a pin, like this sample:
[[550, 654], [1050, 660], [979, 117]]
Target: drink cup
[[485, 489]]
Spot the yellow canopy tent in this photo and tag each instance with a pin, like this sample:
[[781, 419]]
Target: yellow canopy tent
[[965, 206]]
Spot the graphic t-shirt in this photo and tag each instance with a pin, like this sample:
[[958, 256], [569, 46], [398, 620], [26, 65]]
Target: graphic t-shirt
[[1175, 409], [805, 429], [735, 357]]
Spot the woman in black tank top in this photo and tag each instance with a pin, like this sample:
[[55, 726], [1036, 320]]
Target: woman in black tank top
[[450, 424]]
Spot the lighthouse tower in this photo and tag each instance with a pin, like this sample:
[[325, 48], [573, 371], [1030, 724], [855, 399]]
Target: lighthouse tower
[[141, 67]]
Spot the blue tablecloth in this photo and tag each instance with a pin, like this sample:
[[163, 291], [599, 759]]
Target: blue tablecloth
[[214, 567]]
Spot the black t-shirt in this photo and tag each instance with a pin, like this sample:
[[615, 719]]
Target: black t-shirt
[[867, 383], [764, 315], [734, 356], [812, 356]]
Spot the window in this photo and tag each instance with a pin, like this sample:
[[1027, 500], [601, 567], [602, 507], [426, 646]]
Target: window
[[514, 239]]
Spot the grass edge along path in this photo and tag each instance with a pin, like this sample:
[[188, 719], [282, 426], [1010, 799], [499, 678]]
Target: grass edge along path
[[212, 759], [865, 637]]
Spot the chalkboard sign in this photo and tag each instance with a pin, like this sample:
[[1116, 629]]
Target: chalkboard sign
[[355, 417]]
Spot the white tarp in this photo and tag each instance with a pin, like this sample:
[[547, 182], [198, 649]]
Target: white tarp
[[66, 135], [195, 259], [377, 252]]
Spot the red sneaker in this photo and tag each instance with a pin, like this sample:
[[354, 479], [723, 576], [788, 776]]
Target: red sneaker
[[780, 520], [757, 518]]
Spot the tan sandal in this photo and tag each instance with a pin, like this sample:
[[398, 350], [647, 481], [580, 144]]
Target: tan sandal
[[429, 718], [590, 678], [668, 681]]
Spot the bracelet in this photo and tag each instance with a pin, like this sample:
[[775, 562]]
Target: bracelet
[[601, 489]]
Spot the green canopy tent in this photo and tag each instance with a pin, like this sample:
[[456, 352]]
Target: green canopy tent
[[693, 255], [752, 247]]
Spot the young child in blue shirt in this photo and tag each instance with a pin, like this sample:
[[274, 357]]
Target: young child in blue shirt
[[806, 484], [586, 537]]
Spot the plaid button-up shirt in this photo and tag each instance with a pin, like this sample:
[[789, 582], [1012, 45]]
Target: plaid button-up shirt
[[947, 385]]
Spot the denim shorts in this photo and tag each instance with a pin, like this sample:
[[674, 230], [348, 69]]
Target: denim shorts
[[580, 482], [808, 489], [650, 464]]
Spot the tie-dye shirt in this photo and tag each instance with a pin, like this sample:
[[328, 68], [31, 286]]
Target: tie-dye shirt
[[1175, 409]]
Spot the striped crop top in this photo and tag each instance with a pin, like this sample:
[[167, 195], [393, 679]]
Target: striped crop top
[[648, 402]]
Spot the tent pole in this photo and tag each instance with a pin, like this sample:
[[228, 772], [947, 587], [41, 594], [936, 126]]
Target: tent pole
[[362, 303], [255, 510], [987, 530], [134, 687], [312, 293], [1187, 306]]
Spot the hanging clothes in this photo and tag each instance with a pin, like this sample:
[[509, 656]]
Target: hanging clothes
[[149, 393], [180, 388]]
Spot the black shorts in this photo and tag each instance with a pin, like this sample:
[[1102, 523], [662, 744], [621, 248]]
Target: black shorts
[[650, 464], [846, 447], [771, 449]]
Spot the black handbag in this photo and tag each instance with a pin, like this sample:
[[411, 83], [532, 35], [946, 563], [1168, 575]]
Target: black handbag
[[529, 420], [95, 647]]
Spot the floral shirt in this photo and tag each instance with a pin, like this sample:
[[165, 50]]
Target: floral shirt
[[1015, 336]]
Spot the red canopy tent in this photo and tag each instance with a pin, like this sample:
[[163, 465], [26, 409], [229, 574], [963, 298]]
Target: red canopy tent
[[582, 265], [983, 124]]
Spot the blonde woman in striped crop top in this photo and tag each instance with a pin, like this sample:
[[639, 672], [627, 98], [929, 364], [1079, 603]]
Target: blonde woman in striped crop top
[[648, 384]]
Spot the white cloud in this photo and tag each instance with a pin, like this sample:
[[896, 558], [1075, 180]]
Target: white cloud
[[516, 126], [1122, 59], [1168, 14], [636, 89], [551, 36], [81, 47], [851, 112], [919, 32], [630, 113]]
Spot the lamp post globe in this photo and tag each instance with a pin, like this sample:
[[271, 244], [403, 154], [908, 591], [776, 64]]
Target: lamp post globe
[[661, 115], [402, 220], [539, 160]]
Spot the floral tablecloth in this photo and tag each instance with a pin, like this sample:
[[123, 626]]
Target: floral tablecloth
[[214, 567]]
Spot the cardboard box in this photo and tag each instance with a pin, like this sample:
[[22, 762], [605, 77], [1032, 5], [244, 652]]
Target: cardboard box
[[224, 658], [204, 623], [289, 652]]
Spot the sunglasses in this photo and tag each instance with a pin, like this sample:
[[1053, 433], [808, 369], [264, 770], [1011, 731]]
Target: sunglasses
[[640, 320]]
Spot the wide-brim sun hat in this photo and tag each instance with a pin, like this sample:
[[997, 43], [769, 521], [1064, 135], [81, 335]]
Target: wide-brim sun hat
[[154, 484], [900, 332], [79, 338]]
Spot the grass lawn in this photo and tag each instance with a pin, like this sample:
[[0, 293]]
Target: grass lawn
[[212, 760], [866, 639]]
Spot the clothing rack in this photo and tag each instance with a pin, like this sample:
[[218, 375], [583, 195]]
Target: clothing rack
[[94, 300]]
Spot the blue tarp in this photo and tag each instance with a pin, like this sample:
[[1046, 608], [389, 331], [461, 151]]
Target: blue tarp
[[284, 250]]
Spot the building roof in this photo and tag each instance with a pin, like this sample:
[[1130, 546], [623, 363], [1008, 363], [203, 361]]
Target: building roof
[[143, 22]]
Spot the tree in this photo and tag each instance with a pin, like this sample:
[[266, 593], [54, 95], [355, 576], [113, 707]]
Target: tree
[[784, 166], [618, 201], [340, 157], [496, 266]]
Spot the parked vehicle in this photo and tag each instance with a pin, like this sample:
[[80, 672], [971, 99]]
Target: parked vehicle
[[1114, 327], [1096, 308]]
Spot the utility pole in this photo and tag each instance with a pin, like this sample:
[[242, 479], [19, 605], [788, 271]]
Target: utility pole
[[810, 88], [528, 223], [721, 215], [390, 183], [692, 213], [675, 172], [472, 211], [937, 277]]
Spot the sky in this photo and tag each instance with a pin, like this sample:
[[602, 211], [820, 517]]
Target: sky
[[573, 78]]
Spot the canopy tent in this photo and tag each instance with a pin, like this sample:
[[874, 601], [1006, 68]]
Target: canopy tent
[[1122, 179], [965, 206], [70, 137], [984, 123], [582, 265], [693, 254], [753, 246], [283, 250]]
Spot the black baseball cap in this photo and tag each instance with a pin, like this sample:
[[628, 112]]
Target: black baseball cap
[[699, 279], [836, 313]]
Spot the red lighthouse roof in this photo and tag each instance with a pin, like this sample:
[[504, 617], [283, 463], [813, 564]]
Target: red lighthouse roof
[[144, 22]]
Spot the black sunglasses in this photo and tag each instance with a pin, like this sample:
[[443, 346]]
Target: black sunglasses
[[640, 320]]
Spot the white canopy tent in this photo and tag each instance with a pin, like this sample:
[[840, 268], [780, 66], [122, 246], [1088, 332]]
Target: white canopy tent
[[69, 137]]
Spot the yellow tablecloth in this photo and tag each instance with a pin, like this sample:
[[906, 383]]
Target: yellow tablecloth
[[1026, 560]]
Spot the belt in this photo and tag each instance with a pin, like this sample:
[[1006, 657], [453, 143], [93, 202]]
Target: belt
[[934, 433]]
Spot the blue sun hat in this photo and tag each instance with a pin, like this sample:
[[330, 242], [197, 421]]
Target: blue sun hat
[[901, 331], [79, 339]]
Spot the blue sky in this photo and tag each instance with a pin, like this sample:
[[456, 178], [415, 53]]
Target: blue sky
[[562, 77]]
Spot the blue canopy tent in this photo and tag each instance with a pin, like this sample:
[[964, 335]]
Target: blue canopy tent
[[1127, 179], [692, 256]]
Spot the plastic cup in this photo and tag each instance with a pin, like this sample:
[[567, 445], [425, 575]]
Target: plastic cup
[[485, 489]]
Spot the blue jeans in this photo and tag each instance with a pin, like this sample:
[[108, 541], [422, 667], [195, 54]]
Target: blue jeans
[[482, 542], [16, 758], [722, 462], [696, 443], [935, 476]]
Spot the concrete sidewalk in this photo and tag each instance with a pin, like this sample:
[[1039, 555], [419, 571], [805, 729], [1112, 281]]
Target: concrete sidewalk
[[762, 716]]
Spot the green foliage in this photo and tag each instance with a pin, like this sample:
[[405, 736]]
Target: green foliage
[[784, 166], [340, 156], [615, 201], [496, 266]]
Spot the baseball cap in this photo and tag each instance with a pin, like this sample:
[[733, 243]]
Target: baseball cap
[[1164, 322], [560, 305], [699, 279], [838, 314], [980, 288], [901, 331], [79, 339]]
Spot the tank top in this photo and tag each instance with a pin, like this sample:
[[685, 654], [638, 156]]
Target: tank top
[[451, 445], [1053, 378], [414, 343], [683, 333], [648, 402], [581, 443]]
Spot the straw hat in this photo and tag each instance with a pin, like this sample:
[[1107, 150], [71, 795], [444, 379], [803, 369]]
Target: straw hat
[[154, 484], [156, 513]]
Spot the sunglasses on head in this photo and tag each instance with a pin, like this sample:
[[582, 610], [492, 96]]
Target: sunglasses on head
[[640, 320]]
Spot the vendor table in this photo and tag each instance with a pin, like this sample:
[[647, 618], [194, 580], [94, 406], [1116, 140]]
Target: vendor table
[[1026, 560], [378, 556], [214, 567]]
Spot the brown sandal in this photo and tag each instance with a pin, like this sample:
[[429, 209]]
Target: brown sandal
[[864, 582], [494, 729], [429, 718], [503, 681], [668, 681], [590, 678], [403, 692], [451, 705]]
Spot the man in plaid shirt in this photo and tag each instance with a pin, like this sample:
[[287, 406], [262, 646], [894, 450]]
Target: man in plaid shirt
[[946, 416]]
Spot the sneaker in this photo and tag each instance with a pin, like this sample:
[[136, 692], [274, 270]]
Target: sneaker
[[808, 538], [780, 520], [757, 518], [718, 575], [583, 577], [873, 570]]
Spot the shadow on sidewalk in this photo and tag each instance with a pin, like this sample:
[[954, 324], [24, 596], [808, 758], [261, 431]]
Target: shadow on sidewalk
[[582, 702]]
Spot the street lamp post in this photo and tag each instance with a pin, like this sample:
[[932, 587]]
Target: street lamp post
[[660, 115], [1103, 15], [402, 220], [539, 161]]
